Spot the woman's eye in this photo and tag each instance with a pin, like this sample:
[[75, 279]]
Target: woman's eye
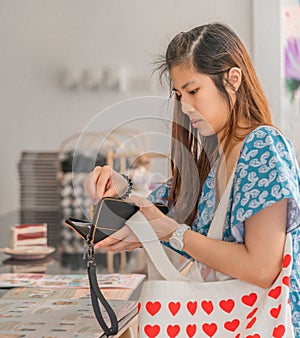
[[177, 96], [193, 92]]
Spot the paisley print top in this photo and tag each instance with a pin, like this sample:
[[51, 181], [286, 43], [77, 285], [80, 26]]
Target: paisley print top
[[267, 172]]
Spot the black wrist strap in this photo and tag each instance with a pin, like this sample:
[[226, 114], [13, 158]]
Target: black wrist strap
[[96, 296]]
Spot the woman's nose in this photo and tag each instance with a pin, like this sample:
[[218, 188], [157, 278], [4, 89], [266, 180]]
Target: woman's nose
[[186, 107]]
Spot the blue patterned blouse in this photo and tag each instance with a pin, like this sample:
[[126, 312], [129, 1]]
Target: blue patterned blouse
[[267, 172]]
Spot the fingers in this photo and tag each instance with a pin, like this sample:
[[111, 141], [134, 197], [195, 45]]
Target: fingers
[[110, 189], [147, 208], [90, 184], [99, 183], [121, 240], [139, 201], [122, 246], [134, 246], [108, 241], [102, 179]]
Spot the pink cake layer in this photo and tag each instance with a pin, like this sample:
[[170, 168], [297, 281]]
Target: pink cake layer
[[28, 235]]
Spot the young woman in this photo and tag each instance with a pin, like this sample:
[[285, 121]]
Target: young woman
[[221, 124]]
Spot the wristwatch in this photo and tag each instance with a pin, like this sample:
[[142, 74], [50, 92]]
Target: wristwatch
[[176, 240]]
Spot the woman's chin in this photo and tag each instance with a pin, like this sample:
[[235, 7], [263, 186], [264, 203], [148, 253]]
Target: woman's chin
[[206, 131]]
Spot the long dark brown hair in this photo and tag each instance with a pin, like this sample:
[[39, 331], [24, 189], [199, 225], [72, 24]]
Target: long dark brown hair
[[211, 49]]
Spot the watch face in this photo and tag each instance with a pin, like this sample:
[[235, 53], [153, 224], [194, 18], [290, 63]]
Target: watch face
[[176, 243]]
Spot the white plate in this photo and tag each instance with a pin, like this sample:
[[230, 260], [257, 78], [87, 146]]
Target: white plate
[[28, 253]]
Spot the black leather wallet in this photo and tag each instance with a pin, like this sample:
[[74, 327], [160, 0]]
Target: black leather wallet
[[110, 215]]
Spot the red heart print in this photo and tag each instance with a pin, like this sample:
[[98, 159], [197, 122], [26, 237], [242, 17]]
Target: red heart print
[[210, 329], [205, 272], [232, 326], [275, 293], [191, 330], [173, 330], [152, 331], [275, 311], [174, 307], [192, 307], [251, 323], [286, 281], [249, 299], [252, 313], [227, 305], [139, 307], [153, 307], [207, 306], [286, 260], [279, 331], [254, 336], [238, 335]]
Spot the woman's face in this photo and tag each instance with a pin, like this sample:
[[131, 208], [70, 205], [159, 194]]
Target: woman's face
[[201, 101]]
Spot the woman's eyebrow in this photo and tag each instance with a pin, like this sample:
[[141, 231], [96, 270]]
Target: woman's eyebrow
[[184, 86]]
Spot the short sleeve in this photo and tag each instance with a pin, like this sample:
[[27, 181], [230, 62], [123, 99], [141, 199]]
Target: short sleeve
[[266, 173], [160, 194]]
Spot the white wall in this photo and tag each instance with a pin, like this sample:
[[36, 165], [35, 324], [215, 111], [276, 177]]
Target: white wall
[[266, 50], [39, 39], [289, 109], [268, 39]]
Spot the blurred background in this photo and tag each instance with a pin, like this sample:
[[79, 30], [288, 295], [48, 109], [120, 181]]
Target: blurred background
[[70, 65]]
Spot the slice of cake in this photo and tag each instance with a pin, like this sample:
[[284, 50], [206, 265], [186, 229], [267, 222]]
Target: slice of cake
[[25, 235]]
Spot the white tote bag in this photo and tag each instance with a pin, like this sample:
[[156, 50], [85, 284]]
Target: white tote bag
[[172, 305]]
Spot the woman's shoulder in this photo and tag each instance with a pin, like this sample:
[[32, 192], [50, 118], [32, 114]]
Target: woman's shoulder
[[264, 133], [266, 141], [267, 158], [267, 172]]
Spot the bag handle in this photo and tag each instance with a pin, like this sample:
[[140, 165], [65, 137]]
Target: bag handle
[[155, 252], [157, 256], [216, 228]]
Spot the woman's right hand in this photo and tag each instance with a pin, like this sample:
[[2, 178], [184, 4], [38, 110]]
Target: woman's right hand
[[104, 181]]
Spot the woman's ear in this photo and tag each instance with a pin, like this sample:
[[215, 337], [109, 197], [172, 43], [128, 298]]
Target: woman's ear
[[234, 78]]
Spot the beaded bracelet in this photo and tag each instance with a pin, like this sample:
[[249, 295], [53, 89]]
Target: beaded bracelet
[[129, 188]]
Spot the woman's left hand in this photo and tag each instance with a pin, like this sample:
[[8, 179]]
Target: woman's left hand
[[125, 240]]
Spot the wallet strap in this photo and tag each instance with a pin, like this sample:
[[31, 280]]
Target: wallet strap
[[96, 295]]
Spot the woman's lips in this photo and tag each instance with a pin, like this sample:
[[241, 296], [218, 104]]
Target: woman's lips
[[195, 123]]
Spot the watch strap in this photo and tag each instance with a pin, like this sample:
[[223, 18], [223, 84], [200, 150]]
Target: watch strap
[[178, 234]]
